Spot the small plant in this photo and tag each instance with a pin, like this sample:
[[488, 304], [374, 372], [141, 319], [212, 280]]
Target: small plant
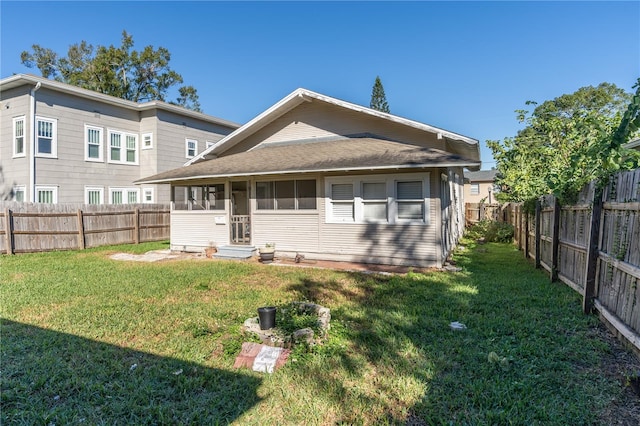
[[293, 316], [491, 231]]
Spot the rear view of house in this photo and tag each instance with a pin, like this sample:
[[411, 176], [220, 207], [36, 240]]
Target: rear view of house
[[326, 179], [64, 144]]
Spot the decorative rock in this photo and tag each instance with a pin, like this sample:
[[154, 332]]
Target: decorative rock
[[303, 335]]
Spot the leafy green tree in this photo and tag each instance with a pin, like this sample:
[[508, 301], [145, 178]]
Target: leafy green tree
[[378, 98], [119, 71], [566, 143]]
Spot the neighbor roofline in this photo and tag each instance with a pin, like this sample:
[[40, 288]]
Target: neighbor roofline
[[301, 95], [327, 170], [18, 80]]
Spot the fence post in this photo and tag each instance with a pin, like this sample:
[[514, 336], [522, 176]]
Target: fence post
[[519, 225], [526, 235], [8, 227], [136, 225], [555, 239], [593, 251], [80, 231], [537, 225]]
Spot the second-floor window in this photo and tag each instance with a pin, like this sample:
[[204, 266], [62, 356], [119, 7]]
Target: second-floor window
[[93, 141], [18, 137], [123, 147], [475, 189], [191, 148], [46, 142]]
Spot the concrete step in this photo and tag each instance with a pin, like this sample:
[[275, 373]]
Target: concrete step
[[235, 252]]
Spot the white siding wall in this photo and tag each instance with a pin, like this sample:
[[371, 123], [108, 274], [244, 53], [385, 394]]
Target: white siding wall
[[196, 230], [15, 103]]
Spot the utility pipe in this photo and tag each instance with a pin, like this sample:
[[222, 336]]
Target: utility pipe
[[32, 143]]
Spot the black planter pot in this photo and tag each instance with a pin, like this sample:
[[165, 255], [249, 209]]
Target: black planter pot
[[267, 317]]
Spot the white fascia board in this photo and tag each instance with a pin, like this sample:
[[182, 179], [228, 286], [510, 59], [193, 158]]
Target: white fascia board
[[340, 169]]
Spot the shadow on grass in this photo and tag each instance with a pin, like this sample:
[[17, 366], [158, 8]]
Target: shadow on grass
[[50, 377], [392, 325]]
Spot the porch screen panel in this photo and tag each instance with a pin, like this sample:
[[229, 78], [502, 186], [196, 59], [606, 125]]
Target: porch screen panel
[[285, 195], [216, 196], [306, 194], [264, 195]]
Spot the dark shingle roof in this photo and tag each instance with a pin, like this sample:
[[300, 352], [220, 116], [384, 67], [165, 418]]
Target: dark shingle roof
[[337, 155], [481, 176]]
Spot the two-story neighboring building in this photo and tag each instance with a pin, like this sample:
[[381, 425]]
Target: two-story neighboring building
[[64, 144], [480, 186]]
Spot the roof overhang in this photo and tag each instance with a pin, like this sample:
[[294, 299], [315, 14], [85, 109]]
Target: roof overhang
[[468, 145], [341, 155], [26, 79]]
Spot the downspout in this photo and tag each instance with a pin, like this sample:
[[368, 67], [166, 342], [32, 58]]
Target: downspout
[[32, 143]]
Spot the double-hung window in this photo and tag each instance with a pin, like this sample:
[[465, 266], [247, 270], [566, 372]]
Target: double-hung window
[[401, 198], [123, 147], [46, 138], [374, 201], [93, 142], [18, 137], [342, 202], [410, 200], [191, 148], [474, 189], [19, 192]]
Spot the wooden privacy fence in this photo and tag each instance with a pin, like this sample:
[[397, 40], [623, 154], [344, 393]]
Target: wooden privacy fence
[[592, 246], [29, 227]]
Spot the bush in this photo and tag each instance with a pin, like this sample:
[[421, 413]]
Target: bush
[[498, 232]]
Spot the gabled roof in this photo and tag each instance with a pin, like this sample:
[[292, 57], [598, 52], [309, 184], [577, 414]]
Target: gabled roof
[[18, 80], [468, 145], [344, 154]]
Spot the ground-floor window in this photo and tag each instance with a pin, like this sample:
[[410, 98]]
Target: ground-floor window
[[93, 195], [378, 198], [124, 195], [46, 194], [19, 193]]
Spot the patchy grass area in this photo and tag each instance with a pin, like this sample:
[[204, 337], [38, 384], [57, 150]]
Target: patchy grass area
[[89, 339]]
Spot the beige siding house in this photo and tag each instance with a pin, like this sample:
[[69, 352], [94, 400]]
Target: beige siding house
[[326, 179], [479, 186], [63, 144]]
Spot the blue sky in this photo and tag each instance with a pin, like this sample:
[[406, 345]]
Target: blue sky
[[461, 66]]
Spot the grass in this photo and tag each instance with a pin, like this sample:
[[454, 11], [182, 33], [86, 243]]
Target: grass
[[90, 340]]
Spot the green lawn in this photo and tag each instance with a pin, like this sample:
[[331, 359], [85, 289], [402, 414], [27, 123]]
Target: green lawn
[[90, 340]]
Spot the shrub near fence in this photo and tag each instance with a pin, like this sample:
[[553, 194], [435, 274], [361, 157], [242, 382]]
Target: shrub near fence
[[29, 227], [592, 246]]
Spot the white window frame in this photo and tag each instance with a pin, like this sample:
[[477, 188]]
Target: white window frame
[[14, 129], [474, 189], [54, 137], [125, 194], [100, 130], [150, 191], [187, 149], [392, 201], [19, 188], [123, 147], [88, 189], [147, 137], [43, 188]]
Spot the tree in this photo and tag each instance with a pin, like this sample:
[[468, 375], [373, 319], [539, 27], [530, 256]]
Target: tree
[[378, 98], [566, 143], [137, 76]]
